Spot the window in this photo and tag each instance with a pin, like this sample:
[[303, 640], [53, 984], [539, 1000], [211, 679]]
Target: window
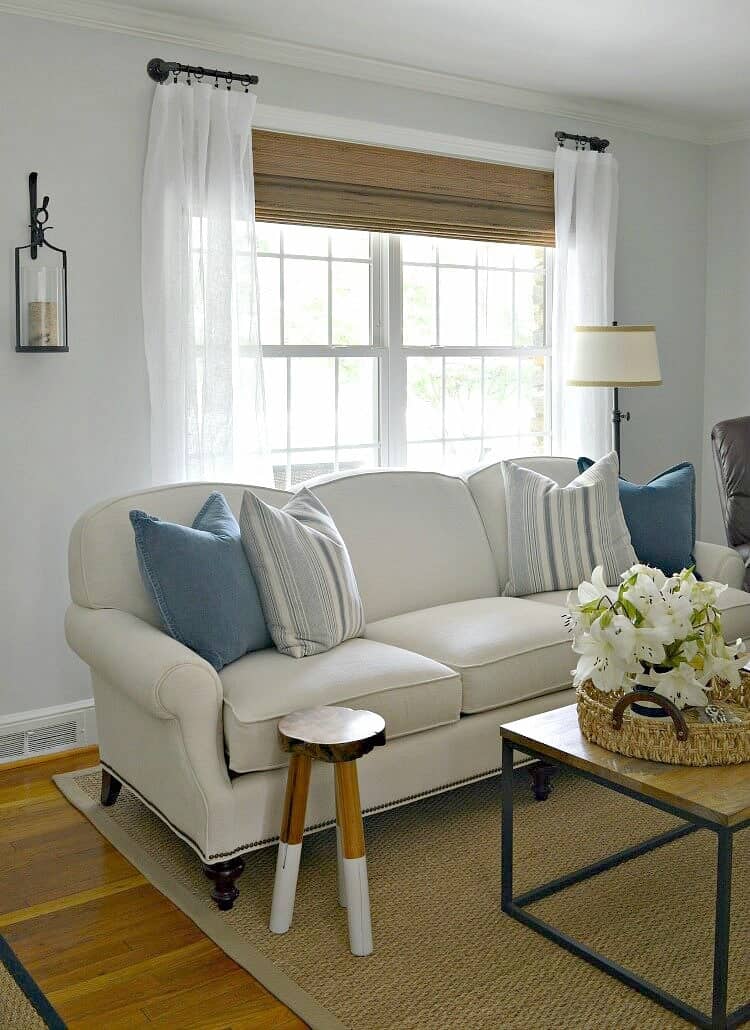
[[401, 350]]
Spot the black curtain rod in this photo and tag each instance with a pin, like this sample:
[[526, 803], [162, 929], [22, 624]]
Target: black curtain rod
[[594, 142], [159, 70]]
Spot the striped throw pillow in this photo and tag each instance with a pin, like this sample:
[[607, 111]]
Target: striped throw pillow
[[303, 572], [558, 535]]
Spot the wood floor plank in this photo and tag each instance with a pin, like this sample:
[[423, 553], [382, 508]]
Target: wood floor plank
[[71, 900], [107, 948]]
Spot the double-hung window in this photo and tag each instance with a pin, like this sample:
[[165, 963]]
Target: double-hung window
[[401, 349]]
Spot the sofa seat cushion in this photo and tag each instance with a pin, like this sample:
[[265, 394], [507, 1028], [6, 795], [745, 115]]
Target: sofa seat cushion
[[505, 648], [412, 693], [734, 605]]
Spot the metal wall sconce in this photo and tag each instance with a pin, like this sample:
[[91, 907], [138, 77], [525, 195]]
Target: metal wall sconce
[[41, 286]]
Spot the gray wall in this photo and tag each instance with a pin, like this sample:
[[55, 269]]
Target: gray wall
[[74, 428], [727, 368]]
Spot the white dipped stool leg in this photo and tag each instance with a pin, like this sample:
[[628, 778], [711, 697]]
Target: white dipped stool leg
[[285, 887], [358, 910], [354, 863], [290, 843]]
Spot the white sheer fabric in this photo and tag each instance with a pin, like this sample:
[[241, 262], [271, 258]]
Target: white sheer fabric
[[200, 291], [586, 197]]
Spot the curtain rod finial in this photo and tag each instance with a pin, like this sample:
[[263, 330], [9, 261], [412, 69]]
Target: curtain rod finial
[[157, 69]]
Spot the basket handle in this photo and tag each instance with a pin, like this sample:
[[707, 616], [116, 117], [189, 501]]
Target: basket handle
[[680, 726]]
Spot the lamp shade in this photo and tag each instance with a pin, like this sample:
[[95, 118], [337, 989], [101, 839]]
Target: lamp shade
[[614, 355]]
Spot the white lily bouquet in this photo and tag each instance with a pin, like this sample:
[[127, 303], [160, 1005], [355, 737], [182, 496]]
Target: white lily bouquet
[[652, 631]]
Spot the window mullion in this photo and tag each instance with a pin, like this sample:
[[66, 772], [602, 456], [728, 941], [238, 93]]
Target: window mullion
[[396, 354]]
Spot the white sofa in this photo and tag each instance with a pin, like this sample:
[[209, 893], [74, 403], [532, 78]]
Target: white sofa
[[445, 659]]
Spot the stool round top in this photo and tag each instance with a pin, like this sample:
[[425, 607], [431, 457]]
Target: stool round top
[[332, 734]]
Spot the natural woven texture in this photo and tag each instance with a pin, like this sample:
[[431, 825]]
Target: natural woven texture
[[656, 739], [16, 989], [15, 1008], [445, 956]]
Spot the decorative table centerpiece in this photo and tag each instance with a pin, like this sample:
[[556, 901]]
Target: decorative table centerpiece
[[654, 646]]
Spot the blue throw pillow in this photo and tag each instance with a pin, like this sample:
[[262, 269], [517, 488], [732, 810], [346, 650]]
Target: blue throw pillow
[[201, 582], [660, 515]]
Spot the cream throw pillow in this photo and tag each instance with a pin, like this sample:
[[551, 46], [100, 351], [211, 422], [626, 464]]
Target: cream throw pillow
[[557, 535], [303, 572]]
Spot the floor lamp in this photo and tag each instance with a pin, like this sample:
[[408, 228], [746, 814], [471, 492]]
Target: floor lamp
[[615, 355]]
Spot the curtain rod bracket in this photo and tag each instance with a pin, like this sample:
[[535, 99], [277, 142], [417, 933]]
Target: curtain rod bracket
[[594, 143]]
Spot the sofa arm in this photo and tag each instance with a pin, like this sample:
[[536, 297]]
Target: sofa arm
[[157, 672], [723, 564]]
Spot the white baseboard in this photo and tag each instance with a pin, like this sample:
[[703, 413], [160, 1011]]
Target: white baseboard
[[44, 731]]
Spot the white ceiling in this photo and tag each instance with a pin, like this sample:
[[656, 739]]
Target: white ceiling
[[680, 59]]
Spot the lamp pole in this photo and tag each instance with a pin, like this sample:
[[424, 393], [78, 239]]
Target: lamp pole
[[617, 417]]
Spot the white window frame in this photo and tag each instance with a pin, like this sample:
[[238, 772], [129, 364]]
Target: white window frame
[[377, 352], [394, 413], [388, 350]]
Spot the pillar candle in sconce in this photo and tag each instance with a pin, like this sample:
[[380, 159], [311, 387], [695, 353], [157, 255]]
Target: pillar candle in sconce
[[42, 323]]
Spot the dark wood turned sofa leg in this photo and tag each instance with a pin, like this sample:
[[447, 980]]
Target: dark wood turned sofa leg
[[110, 788], [224, 874], [541, 779]]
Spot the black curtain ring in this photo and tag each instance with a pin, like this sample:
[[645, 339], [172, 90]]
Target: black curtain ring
[[198, 73]]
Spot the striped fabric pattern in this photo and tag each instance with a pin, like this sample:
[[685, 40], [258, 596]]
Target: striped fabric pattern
[[303, 572], [558, 535]]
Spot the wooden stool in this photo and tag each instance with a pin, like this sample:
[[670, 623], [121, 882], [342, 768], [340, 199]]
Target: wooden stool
[[339, 736]]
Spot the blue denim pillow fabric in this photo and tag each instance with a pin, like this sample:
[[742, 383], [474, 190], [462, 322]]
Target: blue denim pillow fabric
[[201, 583], [660, 515]]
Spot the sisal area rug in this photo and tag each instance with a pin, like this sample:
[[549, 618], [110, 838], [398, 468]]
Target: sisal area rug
[[445, 956], [22, 1004]]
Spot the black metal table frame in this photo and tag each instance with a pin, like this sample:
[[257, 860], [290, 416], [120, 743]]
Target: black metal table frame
[[515, 907]]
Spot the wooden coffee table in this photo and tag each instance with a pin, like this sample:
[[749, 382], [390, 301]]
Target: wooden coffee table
[[715, 798]]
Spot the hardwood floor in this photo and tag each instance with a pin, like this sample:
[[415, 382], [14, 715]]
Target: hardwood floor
[[107, 949]]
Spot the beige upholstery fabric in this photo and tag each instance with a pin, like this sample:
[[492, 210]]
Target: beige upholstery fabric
[[415, 539], [714, 561], [412, 693], [505, 648], [102, 563]]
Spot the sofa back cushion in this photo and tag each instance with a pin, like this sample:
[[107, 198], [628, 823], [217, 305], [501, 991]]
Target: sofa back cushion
[[102, 560], [415, 539], [487, 488]]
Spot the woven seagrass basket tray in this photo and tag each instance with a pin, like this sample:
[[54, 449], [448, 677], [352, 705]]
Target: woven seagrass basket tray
[[681, 739]]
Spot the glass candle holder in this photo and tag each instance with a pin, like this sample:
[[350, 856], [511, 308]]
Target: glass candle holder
[[41, 299]]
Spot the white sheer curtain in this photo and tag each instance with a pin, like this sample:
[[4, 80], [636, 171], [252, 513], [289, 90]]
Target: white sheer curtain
[[585, 228], [200, 291]]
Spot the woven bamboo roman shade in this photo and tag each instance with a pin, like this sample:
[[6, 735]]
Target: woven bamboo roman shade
[[308, 181]]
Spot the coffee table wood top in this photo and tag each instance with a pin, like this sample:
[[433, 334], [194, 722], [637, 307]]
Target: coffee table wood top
[[720, 794]]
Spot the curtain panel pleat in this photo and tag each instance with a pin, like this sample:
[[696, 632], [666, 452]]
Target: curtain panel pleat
[[308, 181], [586, 203], [200, 291]]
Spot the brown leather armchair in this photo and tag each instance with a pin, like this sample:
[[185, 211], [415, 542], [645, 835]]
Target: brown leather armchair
[[730, 441]]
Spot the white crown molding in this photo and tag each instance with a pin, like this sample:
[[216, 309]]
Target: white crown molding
[[223, 38], [352, 130]]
